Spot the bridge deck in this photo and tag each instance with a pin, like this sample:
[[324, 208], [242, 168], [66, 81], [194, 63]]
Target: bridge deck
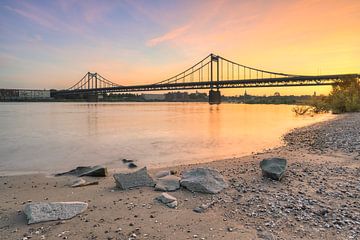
[[251, 83]]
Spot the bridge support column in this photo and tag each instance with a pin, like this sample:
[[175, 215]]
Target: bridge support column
[[92, 98], [214, 97]]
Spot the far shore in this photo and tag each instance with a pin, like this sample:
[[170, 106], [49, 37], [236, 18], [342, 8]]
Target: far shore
[[318, 198]]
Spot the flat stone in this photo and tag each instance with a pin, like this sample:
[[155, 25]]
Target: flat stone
[[43, 212], [167, 199], [203, 179], [168, 183], [273, 168], [139, 178], [162, 174], [96, 171], [78, 182], [82, 183]]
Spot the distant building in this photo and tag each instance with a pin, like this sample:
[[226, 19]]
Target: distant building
[[153, 97], [21, 94]]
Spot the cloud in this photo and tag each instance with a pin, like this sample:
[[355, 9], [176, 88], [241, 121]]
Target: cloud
[[45, 21], [172, 34]]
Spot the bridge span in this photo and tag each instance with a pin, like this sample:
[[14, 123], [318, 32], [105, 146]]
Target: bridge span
[[213, 72]]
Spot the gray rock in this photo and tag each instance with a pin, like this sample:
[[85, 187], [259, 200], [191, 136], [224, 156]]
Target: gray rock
[[139, 178], [199, 210], [96, 171], [162, 174], [168, 183], [205, 180], [273, 168], [42, 212], [167, 199]]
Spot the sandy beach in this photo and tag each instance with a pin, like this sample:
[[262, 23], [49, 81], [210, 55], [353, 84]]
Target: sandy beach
[[318, 198]]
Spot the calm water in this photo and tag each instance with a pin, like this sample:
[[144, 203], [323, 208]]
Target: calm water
[[49, 137]]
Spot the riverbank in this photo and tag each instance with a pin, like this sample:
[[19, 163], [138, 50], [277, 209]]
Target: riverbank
[[317, 199]]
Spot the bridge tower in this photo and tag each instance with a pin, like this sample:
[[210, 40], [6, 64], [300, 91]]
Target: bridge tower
[[92, 79], [214, 95]]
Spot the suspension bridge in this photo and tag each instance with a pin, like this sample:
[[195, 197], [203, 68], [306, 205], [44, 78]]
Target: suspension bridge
[[213, 73]]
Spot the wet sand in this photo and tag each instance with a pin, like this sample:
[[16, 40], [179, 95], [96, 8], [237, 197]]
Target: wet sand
[[317, 199]]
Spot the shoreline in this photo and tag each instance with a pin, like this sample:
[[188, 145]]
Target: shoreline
[[317, 199]]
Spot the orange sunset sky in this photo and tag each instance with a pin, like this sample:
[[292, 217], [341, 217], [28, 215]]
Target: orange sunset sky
[[52, 44]]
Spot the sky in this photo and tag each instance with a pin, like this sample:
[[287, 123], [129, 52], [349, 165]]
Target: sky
[[52, 44]]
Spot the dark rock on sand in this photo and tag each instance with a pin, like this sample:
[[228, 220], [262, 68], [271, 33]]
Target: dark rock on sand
[[127, 160], [42, 212], [96, 171], [168, 183], [203, 179], [138, 178], [132, 165], [273, 168]]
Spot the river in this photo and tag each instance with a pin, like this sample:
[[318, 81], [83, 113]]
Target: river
[[51, 137]]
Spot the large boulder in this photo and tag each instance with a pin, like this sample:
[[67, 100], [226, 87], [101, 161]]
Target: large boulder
[[168, 183], [138, 178], [96, 171], [273, 168], [42, 212], [203, 179], [168, 200]]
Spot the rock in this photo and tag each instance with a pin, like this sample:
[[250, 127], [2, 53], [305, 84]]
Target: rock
[[265, 236], [132, 165], [273, 168], [162, 174], [202, 179], [78, 182], [199, 210], [96, 171], [138, 178], [203, 207], [82, 183], [168, 183], [168, 200], [127, 160], [42, 212]]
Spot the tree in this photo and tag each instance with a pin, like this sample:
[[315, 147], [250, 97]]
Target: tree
[[345, 97]]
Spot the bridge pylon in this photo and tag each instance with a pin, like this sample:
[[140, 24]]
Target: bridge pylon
[[214, 95]]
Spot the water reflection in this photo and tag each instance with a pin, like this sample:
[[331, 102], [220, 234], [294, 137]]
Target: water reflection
[[58, 136]]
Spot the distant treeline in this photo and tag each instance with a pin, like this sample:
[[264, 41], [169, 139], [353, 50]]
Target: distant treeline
[[276, 99]]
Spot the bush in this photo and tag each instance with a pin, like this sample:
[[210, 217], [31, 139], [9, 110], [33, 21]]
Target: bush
[[345, 97]]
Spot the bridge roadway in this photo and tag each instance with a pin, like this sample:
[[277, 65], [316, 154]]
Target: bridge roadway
[[216, 85]]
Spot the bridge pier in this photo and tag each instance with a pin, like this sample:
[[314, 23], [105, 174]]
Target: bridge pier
[[92, 98], [214, 97]]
